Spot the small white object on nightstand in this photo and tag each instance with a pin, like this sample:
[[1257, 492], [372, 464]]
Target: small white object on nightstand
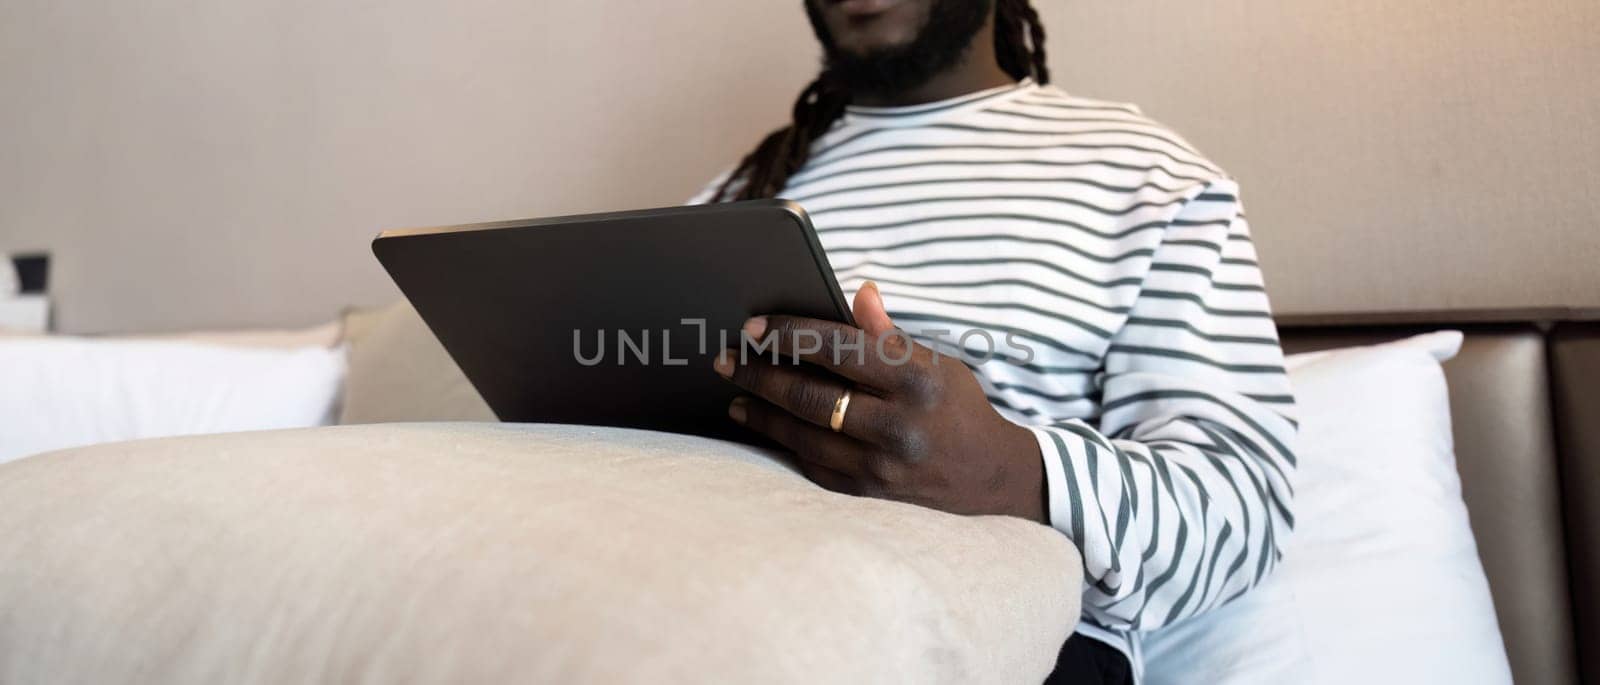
[[20, 313], [24, 313]]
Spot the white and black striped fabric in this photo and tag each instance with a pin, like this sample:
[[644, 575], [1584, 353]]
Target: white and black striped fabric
[[1120, 258]]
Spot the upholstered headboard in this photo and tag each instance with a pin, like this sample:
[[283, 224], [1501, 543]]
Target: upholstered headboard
[[1525, 401]]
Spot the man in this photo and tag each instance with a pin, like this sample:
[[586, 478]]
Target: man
[[1138, 402]]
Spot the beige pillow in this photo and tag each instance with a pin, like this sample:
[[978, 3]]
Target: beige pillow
[[457, 553], [400, 372]]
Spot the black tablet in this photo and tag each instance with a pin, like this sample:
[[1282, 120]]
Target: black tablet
[[612, 319]]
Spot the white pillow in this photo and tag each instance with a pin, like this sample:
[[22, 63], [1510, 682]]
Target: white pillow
[[1381, 581], [66, 392]]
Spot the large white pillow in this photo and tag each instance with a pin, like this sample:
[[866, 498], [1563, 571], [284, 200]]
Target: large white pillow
[[59, 392], [1381, 581]]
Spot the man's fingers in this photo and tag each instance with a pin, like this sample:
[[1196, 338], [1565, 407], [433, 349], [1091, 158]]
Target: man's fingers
[[812, 395], [878, 361], [811, 444]]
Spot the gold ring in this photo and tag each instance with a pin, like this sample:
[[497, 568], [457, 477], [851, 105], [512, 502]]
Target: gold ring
[[840, 406]]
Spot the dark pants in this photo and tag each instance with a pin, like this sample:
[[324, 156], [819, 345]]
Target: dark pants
[[1086, 661]]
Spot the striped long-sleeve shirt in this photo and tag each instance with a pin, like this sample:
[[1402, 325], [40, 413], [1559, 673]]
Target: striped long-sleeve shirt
[[1120, 258]]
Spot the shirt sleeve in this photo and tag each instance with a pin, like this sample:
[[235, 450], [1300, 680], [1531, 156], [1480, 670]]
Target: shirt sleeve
[[1180, 497]]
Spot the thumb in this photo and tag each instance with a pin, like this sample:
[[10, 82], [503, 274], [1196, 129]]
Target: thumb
[[869, 312]]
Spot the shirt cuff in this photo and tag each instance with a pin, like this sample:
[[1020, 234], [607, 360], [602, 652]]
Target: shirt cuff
[[1058, 503]]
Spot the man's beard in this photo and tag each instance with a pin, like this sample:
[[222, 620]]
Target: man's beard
[[940, 44]]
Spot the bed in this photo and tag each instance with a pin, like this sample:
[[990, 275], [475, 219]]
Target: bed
[[255, 558]]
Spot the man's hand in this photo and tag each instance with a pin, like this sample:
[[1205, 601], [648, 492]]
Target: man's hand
[[917, 428]]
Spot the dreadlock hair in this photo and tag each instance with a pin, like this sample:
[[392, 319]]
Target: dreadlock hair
[[1019, 48]]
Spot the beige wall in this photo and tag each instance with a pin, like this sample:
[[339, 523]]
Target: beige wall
[[225, 164], [1394, 155]]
